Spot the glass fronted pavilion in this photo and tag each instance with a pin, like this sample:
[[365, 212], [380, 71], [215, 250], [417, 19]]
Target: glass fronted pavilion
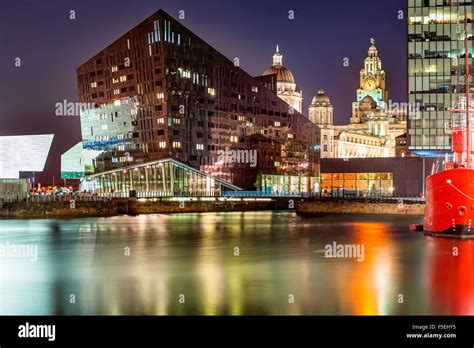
[[161, 178], [360, 184]]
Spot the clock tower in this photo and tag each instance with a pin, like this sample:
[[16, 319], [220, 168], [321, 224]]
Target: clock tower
[[371, 88]]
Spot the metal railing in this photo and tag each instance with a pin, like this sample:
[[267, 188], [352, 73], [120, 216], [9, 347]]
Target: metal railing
[[268, 194], [326, 196], [77, 197], [330, 196]]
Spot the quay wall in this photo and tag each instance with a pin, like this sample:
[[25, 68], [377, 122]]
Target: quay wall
[[58, 209], [135, 207], [350, 207]]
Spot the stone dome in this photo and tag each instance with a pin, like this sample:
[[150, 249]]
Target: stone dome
[[321, 99], [283, 73]]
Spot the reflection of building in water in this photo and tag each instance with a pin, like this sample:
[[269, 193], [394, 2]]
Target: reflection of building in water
[[373, 125], [450, 276], [371, 285]]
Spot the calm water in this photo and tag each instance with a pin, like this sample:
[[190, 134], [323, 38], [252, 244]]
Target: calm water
[[193, 255]]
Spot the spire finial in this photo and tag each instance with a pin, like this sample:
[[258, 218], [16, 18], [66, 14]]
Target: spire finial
[[277, 57], [372, 41]]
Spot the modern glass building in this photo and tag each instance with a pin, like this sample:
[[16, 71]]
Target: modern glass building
[[160, 92], [361, 184], [289, 183], [162, 178], [436, 69], [404, 176]]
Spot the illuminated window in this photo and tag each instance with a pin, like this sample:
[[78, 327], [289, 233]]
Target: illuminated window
[[211, 91], [160, 95], [177, 144], [117, 91], [176, 120], [254, 89], [290, 136], [123, 78], [184, 73], [277, 124], [114, 68], [234, 138], [199, 146], [160, 120], [162, 144], [241, 118], [196, 78], [115, 80], [94, 84]]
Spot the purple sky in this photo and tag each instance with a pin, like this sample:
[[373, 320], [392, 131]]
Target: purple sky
[[51, 47]]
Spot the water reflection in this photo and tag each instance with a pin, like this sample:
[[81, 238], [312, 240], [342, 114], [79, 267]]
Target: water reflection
[[232, 264], [450, 276]]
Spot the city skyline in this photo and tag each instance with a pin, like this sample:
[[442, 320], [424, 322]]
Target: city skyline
[[229, 43], [236, 159]]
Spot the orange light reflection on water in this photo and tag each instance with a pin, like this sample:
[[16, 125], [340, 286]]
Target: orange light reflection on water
[[370, 285]]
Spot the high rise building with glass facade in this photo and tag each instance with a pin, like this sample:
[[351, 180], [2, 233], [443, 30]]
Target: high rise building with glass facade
[[436, 69], [162, 92]]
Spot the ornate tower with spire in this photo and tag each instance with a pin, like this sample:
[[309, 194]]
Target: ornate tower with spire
[[286, 85], [371, 93]]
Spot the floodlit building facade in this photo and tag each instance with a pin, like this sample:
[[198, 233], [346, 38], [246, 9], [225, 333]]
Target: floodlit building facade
[[162, 92], [373, 126], [286, 84]]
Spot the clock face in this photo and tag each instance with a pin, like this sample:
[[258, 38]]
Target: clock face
[[370, 84]]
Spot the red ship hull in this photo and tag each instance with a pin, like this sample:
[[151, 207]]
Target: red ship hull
[[449, 210]]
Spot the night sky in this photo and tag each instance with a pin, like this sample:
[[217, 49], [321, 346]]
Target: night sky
[[51, 47]]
